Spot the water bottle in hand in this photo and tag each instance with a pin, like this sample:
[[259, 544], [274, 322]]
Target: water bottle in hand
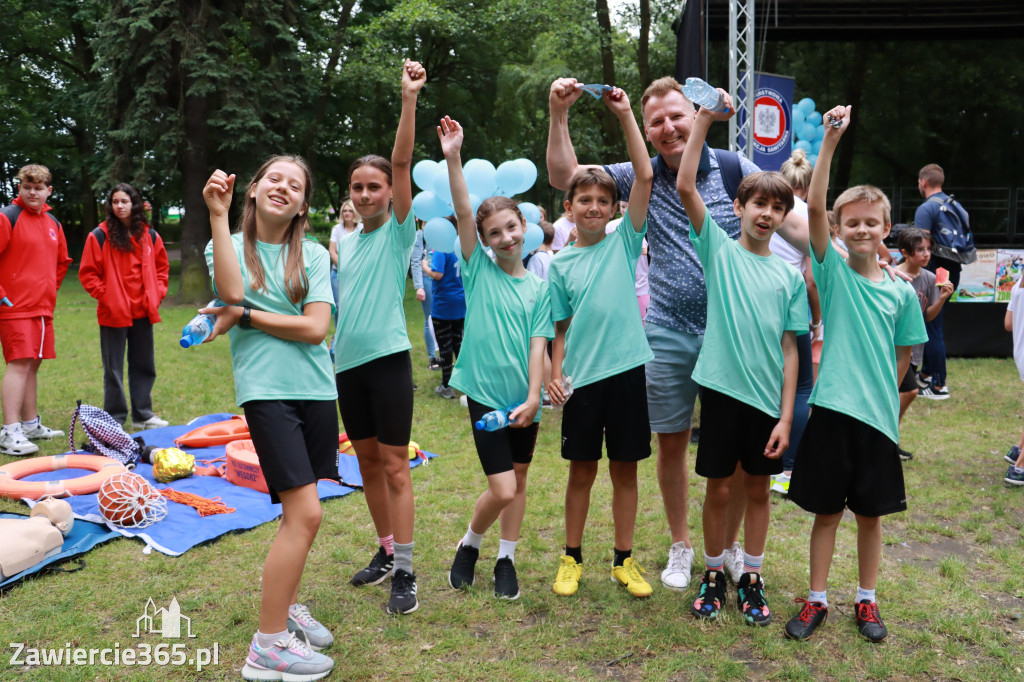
[[199, 327], [494, 420], [704, 95], [566, 387]]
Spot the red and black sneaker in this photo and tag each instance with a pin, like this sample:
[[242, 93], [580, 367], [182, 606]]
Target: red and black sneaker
[[869, 621], [803, 625]]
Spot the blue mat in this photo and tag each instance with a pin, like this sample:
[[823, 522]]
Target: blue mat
[[183, 528], [83, 537]]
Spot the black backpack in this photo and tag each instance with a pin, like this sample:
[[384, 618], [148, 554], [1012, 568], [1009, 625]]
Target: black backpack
[[952, 238]]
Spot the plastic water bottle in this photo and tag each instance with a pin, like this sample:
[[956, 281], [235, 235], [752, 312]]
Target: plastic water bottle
[[704, 95], [566, 387], [199, 327], [494, 420]]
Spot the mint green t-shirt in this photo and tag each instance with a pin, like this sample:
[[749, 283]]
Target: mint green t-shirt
[[267, 367], [371, 289], [752, 301], [502, 314], [596, 286], [866, 321]]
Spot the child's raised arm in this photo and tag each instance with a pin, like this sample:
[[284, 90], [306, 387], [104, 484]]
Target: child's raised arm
[[227, 274], [640, 195], [451, 135], [817, 192], [413, 78], [686, 179]]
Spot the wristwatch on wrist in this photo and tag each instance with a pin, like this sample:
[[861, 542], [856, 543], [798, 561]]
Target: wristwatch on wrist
[[245, 322]]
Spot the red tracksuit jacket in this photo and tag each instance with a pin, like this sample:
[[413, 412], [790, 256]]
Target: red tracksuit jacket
[[102, 274], [33, 262]]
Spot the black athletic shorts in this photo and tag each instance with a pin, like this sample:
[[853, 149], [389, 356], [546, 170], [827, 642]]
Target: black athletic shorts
[[843, 462], [375, 399], [498, 450], [732, 431], [909, 382], [296, 441], [614, 407]]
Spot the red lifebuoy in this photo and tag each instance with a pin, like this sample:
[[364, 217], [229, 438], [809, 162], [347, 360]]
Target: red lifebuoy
[[218, 433], [243, 467], [12, 487]]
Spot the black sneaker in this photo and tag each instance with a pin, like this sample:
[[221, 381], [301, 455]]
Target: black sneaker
[[869, 621], [434, 365], [506, 585], [462, 571], [802, 625], [380, 568], [403, 593], [750, 597], [1012, 455], [904, 455], [711, 596]]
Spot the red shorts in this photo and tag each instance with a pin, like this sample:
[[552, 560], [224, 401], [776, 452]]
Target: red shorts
[[27, 338]]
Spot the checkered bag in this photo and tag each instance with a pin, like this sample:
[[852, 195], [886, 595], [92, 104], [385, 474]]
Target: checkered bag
[[106, 436]]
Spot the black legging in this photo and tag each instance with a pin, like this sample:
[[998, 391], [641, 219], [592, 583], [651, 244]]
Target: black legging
[[449, 343]]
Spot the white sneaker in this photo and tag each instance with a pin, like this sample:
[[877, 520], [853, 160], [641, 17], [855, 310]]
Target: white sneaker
[[15, 444], [734, 562], [676, 575], [39, 432], [780, 484], [153, 422]]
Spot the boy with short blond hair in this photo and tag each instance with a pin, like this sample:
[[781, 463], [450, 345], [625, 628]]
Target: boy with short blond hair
[[599, 335], [747, 367], [33, 262], [848, 458]]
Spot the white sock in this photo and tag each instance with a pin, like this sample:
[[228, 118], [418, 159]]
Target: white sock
[[30, 424], [819, 596], [471, 539], [264, 640], [13, 429], [863, 594], [507, 548]]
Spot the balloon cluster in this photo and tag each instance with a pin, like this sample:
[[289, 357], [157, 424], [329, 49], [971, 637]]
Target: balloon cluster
[[808, 128], [483, 180]]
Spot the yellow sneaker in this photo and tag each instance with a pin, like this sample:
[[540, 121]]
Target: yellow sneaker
[[568, 579], [628, 574]]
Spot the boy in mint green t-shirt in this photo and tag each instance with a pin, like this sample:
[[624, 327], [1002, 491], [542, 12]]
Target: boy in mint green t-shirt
[[747, 367], [601, 346]]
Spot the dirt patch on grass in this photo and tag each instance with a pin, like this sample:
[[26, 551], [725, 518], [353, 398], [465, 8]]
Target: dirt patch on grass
[[927, 554]]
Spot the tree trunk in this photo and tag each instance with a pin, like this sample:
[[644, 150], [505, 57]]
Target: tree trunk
[[326, 82], [195, 230], [643, 66], [612, 131]]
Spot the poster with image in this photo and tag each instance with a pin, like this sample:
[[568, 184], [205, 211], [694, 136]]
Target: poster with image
[[977, 280], [1009, 268]]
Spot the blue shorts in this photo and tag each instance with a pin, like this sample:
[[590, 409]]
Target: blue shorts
[[671, 391]]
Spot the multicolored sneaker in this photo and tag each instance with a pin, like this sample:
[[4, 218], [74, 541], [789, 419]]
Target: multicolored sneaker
[[463, 570], [317, 636], [780, 484], [802, 625], [568, 579], [506, 583], [403, 593], [628, 574], [1014, 476], [377, 571], [869, 621], [711, 596], [1012, 455], [286, 659], [750, 597]]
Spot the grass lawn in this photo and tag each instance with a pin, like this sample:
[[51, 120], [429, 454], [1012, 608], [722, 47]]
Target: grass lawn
[[951, 589]]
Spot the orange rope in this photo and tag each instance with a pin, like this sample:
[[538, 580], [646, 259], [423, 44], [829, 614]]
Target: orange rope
[[205, 506]]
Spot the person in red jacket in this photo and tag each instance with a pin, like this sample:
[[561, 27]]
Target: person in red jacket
[[124, 267], [33, 262]]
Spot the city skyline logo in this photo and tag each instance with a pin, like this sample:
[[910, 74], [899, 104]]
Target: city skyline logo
[[170, 621]]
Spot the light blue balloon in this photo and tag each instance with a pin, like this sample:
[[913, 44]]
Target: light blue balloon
[[440, 186], [806, 105], [509, 178], [530, 212], [819, 133], [813, 118], [475, 202], [533, 238], [480, 177], [813, 158], [798, 118], [456, 245], [427, 205], [803, 144], [529, 169], [816, 147], [423, 173], [439, 233], [807, 132]]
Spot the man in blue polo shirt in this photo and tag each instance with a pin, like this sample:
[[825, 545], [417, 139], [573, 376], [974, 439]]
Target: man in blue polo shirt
[[678, 307]]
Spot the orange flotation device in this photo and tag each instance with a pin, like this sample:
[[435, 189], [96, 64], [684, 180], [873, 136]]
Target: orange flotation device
[[243, 467], [218, 433], [12, 487]]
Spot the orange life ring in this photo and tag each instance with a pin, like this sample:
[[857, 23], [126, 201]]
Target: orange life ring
[[217, 433], [13, 488], [243, 467]]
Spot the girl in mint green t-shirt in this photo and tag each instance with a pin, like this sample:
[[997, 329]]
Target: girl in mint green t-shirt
[[276, 287]]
